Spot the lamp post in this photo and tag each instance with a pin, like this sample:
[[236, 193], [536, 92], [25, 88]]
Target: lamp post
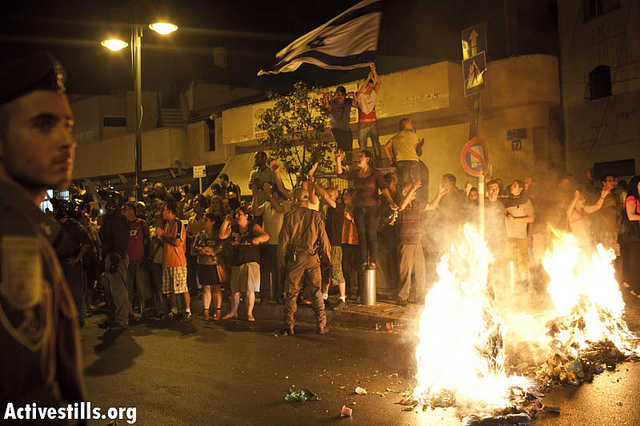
[[162, 28]]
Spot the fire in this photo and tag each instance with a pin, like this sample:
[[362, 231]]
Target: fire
[[586, 296], [461, 350], [461, 353]]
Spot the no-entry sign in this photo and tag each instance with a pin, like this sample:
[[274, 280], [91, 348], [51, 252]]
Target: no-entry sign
[[475, 157]]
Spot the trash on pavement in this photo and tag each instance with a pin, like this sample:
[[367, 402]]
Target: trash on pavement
[[300, 395], [520, 419], [361, 391], [346, 411]]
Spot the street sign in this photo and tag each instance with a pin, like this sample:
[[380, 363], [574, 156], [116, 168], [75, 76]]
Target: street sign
[[475, 157], [516, 134], [516, 144], [474, 40], [473, 71], [199, 171]]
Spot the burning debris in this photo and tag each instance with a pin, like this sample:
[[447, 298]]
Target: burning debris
[[590, 333], [560, 370], [461, 351]]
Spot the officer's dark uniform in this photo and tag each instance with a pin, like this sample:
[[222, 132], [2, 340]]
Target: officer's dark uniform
[[303, 239], [39, 337], [114, 235], [72, 238]]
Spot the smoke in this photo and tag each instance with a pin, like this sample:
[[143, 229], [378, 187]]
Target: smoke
[[519, 298]]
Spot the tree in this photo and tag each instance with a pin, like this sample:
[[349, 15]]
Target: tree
[[294, 126]]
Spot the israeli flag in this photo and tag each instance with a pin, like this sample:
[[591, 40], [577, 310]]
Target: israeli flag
[[348, 41]]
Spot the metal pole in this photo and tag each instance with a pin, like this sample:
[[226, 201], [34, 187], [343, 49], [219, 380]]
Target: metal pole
[[137, 42]]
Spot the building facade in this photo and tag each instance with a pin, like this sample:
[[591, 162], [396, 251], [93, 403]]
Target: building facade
[[600, 74], [522, 93]]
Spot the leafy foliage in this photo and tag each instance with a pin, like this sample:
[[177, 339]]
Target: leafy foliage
[[294, 127]]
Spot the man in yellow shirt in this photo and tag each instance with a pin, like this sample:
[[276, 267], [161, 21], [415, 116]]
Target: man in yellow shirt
[[407, 149]]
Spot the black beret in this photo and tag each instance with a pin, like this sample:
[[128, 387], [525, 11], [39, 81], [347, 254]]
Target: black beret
[[37, 71]]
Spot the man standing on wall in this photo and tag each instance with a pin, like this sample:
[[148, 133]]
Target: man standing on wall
[[366, 102], [340, 109]]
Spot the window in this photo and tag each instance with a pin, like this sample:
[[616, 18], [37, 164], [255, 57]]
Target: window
[[114, 121], [615, 168], [599, 82], [591, 9]]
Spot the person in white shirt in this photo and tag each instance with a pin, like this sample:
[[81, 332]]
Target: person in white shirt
[[519, 214], [366, 103], [272, 212]]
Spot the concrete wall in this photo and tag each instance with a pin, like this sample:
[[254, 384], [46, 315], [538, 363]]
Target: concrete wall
[[151, 111], [522, 80], [89, 112], [605, 129], [198, 136], [203, 96], [161, 149]]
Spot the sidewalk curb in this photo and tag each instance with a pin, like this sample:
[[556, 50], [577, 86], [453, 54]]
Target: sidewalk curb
[[347, 318]]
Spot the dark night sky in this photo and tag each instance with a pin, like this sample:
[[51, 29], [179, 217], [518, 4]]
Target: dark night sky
[[252, 32]]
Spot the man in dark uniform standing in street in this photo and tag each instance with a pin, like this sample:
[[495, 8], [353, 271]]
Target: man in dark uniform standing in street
[[39, 336], [303, 240], [72, 246], [114, 236]]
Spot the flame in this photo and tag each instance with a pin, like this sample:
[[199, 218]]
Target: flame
[[461, 337], [586, 296], [461, 350]]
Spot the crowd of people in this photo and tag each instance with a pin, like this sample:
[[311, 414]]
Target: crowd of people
[[172, 246], [158, 254]]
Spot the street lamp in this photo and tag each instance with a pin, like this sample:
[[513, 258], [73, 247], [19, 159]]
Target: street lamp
[[162, 28], [114, 44]]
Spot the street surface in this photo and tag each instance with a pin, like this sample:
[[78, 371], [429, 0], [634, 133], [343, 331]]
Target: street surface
[[235, 373]]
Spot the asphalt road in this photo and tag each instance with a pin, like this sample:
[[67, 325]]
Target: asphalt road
[[235, 373]]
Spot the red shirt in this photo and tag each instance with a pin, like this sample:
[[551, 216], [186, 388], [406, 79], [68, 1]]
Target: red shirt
[[138, 231], [369, 118]]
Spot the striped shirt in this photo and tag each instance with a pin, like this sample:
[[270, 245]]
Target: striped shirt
[[409, 221]]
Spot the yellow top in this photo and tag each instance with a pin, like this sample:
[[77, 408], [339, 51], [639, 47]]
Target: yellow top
[[405, 143]]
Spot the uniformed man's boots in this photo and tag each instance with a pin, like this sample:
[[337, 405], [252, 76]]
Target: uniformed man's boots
[[288, 330], [322, 329]]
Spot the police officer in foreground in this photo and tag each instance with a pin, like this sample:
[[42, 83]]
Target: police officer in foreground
[[303, 240], [39, 337]]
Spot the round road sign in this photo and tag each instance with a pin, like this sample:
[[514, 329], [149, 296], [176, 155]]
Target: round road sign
[[475, 157]]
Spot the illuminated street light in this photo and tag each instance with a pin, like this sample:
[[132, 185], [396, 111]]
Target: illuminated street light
[[114, 44], [163, 28]]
